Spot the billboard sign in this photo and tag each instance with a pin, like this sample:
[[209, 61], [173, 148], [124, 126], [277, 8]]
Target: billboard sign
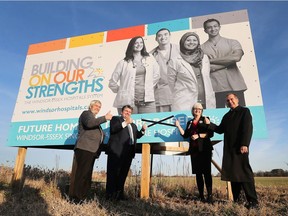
[[61, 77]]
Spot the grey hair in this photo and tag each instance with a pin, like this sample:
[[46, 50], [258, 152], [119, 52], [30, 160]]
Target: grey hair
[[94, 102]]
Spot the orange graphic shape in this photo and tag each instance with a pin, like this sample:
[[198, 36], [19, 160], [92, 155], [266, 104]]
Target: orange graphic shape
[[125, 33], [47, 46]]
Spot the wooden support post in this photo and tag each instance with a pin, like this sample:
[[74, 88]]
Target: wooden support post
[[216, 165], [145, 172], [17, 178], [151, 166], [72, 177], [229, 190]]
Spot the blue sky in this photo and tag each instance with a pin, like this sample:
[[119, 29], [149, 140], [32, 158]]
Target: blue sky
[[24, 23]]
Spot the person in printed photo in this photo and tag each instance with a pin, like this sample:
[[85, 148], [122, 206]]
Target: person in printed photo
[[135, 78], [189, 76], [163, 53], [223, 54]]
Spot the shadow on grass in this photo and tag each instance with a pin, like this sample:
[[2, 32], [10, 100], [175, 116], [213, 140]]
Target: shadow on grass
[[132, 206], [26, 202]]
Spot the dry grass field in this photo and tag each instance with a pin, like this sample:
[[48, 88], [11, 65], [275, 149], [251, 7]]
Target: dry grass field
[[44, 193]]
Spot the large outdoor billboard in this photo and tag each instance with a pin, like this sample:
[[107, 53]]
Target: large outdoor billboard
[[61, 77]]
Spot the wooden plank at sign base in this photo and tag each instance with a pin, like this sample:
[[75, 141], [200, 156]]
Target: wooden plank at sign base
[[17, 178], [228, 184], [216, 165], [145, 172], [72, 177], [229, 191]]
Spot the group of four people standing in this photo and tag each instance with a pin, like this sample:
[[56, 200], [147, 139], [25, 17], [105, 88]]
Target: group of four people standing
[[175, 79]]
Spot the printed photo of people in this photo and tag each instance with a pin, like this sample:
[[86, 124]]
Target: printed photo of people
[[170, 70]]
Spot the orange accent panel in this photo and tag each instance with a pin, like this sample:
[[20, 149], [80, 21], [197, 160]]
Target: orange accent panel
[[125, 33], [85, 40], [47, 46]]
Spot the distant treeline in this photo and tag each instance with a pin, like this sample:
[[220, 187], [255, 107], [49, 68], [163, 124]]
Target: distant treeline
[[273, 172]]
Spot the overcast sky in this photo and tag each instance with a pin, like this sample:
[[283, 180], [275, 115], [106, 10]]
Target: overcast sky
[[24, 23]]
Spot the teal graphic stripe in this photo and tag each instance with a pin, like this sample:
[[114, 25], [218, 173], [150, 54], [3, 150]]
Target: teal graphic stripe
[[164, 133], [43, 133], [64, 131], [173, 25]]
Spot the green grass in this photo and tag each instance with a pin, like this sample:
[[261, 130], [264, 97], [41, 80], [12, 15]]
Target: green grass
[[271, 181], [217, 182]]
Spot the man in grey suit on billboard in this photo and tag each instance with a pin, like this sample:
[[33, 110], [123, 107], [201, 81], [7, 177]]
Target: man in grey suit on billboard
[[90, 137], [224, 54]]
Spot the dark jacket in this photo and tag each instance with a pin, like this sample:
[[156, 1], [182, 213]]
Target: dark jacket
[[119, 141], [237, 128], [204, 144], [90, 134]]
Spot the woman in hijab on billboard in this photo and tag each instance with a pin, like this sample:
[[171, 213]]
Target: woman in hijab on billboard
[[189, 76], [137, 74]]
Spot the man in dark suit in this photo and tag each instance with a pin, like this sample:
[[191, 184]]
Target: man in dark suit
[[121, 151], [90, 136], [237, 128]]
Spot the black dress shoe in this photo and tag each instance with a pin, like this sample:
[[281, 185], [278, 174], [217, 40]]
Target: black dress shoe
[[122, 197], [201, 198], [252, 205], [76, 200], [209, 199], [111, 197]]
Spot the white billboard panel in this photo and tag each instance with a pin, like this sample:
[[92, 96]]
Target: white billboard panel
[[61, 77]]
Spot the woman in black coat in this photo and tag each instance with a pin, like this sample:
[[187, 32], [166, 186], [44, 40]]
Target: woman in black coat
[[200, 149]]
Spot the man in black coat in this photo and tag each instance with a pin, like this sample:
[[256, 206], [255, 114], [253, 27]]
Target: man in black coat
[[121, 151], [86, 150], [237, 128]]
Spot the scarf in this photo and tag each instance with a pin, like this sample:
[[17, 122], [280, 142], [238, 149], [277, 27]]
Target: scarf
[[193, 57]]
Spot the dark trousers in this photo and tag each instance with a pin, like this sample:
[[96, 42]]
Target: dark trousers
[[249, 189], [221, 98], [117, 171], [81, 175], [200, 183]]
